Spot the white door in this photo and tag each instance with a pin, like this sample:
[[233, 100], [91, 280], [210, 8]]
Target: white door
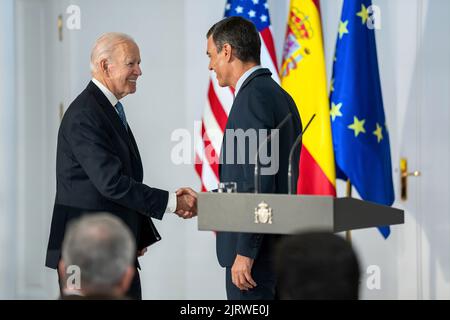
[[414, 56], [433, 209]]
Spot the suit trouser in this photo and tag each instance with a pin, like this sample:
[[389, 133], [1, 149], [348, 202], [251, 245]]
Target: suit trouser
[[265, 279], [135, 291]]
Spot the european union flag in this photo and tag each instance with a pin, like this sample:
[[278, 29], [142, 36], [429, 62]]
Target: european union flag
[[360, 136]]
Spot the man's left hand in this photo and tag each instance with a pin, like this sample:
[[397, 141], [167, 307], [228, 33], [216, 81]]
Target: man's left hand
[[241, 273]]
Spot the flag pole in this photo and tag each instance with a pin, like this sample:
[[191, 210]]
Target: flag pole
[[348, 233]]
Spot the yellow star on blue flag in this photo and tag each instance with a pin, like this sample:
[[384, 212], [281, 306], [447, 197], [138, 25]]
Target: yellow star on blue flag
[[360, 139]]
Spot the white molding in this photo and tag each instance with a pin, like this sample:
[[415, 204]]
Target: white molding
[[419, 210], [8, 137], [33, 206]]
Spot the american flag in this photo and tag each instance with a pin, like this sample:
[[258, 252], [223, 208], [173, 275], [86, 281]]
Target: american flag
[[220, 100]]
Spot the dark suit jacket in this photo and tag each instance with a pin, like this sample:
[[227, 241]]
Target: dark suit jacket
[[260, 104], [98, 168]]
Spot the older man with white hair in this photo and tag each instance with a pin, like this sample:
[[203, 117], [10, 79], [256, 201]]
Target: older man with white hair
[[98, 258], [98, 166]]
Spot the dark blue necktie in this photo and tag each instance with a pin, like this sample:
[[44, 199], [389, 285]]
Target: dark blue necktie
[[121, 112]]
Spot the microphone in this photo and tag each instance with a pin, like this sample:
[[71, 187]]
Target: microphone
[[291, 154], [256, 174]]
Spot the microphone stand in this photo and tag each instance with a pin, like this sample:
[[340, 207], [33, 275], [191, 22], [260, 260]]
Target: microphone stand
[[256, 173], [291, 154]]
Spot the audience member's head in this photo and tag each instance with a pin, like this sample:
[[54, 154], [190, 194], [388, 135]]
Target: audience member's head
[[317, 266], [102, 249]]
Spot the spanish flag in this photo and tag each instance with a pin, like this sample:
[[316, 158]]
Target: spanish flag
[[303, 75]]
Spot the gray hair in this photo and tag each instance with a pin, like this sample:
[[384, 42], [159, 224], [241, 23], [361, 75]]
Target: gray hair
[[105, 45], [102, 246]]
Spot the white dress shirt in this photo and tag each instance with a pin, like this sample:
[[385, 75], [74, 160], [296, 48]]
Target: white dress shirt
[[243, 78]]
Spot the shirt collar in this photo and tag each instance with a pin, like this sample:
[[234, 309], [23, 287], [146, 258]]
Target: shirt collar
[[109, 95], [243, 78]]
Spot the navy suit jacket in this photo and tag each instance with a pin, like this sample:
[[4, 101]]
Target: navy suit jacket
[[98, 168], [260, 104]]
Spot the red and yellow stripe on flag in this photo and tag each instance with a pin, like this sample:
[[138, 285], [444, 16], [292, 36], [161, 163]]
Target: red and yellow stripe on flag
[[303, 75]]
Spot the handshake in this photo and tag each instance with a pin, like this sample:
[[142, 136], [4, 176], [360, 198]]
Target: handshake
[[186, 203]]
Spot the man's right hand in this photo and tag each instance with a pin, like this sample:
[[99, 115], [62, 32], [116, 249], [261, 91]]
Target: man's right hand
[[186, 203]]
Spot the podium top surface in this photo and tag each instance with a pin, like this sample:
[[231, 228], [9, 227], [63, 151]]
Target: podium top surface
[[287, 214]]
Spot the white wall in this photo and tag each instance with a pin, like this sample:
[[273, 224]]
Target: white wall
[[171, 94]]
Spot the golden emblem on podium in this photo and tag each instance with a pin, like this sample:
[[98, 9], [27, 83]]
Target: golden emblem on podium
[[263, 213]]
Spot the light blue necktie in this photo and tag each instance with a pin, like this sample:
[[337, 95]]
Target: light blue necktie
[[121, 112]]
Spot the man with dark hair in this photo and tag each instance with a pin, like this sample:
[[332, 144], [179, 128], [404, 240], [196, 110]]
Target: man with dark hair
[[239, 34], [260, 104], [317, 266]]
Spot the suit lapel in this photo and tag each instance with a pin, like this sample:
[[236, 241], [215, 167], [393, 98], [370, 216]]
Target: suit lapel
[[138, 156], [113, 117], [257, 73]]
